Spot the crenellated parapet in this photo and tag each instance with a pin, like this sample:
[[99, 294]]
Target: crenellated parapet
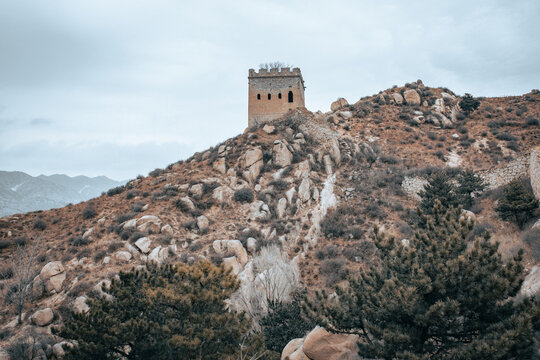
[[285, 71]]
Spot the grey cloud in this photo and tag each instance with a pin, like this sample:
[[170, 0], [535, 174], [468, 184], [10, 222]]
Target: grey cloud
[[106, 76]]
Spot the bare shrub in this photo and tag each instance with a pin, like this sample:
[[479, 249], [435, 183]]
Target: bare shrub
[[24, 268], [275, 279]]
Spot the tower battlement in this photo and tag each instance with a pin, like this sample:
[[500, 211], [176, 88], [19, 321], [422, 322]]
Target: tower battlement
[[274, 92], [286, 71]]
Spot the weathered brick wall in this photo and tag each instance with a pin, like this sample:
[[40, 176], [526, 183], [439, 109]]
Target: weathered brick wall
[[499, 176], [534, 171], [273, 83], [526, 165]]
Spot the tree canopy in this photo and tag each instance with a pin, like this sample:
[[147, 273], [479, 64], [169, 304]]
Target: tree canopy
[[160, 312], [438, 297]]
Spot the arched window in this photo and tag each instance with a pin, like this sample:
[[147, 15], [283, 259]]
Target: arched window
[[290, 96], [279, 96], [258, 96], [269, 96]]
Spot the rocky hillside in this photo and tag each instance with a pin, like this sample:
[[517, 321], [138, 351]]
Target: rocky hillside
[[312, 185], [20, 192]]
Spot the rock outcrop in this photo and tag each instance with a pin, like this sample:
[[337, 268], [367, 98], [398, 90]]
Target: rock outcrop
[[412, 97], [338, 104], [53, 276], [319, 344], [43, 317]]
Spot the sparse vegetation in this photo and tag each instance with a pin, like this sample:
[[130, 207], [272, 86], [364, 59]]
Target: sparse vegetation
[[243, 195], [89, 211]]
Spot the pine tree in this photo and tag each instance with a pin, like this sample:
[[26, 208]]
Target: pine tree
[[438, 187], [469, 185], [435, 298], [284, 322], [161, 312], [517, 204]]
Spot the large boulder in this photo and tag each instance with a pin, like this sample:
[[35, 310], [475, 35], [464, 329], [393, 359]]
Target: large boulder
[[304, 192], [224, 247], [398, 99], [534, 171], [220, 165], [223, 194], [53, 276], [253, 163], [338, 104], [294, 350], [531, 284], [319, 344], [43, 317], [281, 207], [281, 155], [233, 264], [143, 244], [149, 223], [412, 97], [122, 255]]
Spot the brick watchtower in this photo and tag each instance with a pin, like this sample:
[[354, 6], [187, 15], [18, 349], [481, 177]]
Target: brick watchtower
[[273, 93]]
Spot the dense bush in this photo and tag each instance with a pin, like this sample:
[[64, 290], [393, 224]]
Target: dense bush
[[78, 241], [116, 190], [517, 204], [40, 225], [156, 172], [243, 195], [89, 211], [468, 104]]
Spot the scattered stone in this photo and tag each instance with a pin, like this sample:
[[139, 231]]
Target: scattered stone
[[80, 305], [149, 223], [345, 114], [251, 245], [294, 350], [188, 203], [269, 129], [106, 260], [202, 222], [223, 247], [222, 194], [220, 165], [101, 221], [196, 190], [339, 103], [328, 164], [87, 233], [130, 224], [304, 193], [455, 136], [143, 244], [412, 97], [233, 264], [122, 255], [281, 155], [319, 344], [281, 208], [53, 275], [167, 229], [398, 99], [335, 153], [43, 317]]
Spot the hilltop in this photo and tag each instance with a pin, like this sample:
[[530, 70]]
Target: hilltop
[[314, 184]]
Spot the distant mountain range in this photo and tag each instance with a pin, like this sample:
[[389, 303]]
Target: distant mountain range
[[20, 192]]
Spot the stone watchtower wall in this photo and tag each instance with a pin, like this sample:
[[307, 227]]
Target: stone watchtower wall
[[273, 93]]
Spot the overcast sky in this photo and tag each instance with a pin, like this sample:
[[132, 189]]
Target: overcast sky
[[120, 87]]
